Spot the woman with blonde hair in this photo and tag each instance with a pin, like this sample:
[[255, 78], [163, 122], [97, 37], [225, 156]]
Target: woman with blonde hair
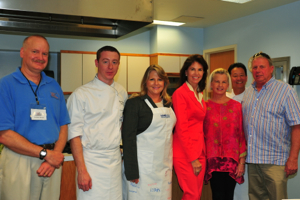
[[224, 138], [147, 139]]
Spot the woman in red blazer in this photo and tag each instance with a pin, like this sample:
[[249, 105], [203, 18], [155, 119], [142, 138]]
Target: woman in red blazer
[[188, 141]]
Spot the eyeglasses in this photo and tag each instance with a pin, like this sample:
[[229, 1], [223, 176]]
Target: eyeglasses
[[261, 54]]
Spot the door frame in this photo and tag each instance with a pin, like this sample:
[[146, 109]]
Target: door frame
[[206, 55]]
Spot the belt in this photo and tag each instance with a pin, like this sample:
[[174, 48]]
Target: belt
[[48, 146]]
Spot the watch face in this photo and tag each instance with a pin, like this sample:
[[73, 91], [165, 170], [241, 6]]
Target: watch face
[[43, 153]]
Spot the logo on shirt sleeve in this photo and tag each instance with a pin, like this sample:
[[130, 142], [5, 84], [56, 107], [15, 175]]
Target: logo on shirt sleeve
[[54, 95]]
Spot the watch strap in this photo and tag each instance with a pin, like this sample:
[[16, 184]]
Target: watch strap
[[41, 153]]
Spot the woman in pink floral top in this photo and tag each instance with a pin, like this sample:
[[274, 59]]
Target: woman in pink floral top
[[224, 138]]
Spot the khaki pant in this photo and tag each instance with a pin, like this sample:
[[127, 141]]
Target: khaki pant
[[267, 182], [21, 182]]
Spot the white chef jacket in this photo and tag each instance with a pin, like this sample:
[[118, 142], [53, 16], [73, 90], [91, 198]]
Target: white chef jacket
[[96, 111]]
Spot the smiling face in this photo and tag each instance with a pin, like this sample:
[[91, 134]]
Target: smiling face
[[154, 85], [238, 78], [219, 84], [34, 54], [194, 74], [261, 71], [108, 66]]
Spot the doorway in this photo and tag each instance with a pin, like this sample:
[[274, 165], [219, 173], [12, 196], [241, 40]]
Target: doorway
[[221, 57]]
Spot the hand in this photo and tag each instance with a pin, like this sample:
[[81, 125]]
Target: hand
[[45, 170], [84, 181], [197, 167], [240, 170], [291, 167], [136, 181], [54, 158]]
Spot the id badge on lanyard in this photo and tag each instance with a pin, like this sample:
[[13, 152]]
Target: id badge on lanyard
[[38, 112]]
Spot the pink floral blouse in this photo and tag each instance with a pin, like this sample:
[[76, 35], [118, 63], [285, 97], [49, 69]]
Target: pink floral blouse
[[224, 138]]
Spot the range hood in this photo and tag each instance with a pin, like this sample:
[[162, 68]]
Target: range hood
[[92, 18]]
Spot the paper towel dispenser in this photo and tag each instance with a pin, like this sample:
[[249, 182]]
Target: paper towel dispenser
[[294, 77]]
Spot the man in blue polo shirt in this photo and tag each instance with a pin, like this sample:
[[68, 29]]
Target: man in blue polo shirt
[[33, 127], [271, 115]]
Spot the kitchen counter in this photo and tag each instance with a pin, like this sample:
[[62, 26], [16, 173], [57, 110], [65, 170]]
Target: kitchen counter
[[68, 157]]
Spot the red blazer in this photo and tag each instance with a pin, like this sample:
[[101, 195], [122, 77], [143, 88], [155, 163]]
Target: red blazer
[[188, 139]]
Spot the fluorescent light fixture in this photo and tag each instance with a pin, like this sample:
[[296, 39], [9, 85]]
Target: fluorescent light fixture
[[167, 23], [238, 1]]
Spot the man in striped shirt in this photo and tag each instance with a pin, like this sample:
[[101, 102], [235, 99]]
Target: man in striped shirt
[[271, 115]]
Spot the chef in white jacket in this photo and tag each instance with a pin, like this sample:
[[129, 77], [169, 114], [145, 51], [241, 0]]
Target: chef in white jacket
[[96, 110]]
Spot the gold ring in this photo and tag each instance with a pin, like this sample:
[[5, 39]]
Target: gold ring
[[45, 174]]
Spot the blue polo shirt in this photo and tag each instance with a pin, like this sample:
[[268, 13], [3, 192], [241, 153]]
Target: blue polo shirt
[[16, 98]]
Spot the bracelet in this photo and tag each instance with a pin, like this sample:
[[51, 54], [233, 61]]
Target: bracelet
[[242, 163]]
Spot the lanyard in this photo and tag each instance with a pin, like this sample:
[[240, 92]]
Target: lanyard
[[34, 92]]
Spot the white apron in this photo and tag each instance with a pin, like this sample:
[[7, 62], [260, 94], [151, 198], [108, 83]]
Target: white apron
[[104, 167], [155, 158]]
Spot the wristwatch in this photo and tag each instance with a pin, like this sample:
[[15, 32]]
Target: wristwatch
[[43, 154]]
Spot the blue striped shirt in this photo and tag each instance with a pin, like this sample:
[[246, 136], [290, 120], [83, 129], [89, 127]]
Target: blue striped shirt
[[267, 117]]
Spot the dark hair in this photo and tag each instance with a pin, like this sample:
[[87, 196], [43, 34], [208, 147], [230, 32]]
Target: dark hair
[[238, 65], [188, 62], [107, 48]]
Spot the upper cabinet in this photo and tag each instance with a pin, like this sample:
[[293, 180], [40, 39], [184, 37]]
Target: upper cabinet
[[89, 68], [171, 63], [78, 68], [71, 71], [137, 66]]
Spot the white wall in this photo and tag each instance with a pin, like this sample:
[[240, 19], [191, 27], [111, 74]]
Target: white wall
[[276, 32]]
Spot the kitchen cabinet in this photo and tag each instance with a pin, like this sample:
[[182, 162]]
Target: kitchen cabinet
[[137, 66], [68, 181], [89, 70], [172, 63], [181, 61], [78, 68], [71, 71]]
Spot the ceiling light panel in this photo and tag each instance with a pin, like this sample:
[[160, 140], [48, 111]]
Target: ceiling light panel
[[237, 1], [168, 23]]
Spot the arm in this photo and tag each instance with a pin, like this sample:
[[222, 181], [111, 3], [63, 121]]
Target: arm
[[84, 180], [240, 170], [75, 105], [180, 108], [46, 169], [291, 165], [21, 145], [129, 131], [182, 129]]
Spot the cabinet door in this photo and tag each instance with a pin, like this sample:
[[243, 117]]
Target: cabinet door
[[71, 71], [89, 68], [169, 63], [121, 76], [136, 69], [182, 60]]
